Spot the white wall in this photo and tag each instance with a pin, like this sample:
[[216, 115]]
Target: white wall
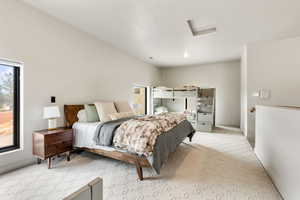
[[63, 62], [273, 65], [277, 147], [224, 76]]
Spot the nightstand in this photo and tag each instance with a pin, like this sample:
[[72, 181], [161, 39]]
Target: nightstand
[[49, 143]]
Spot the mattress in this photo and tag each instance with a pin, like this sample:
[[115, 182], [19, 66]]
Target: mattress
[[83, 136]]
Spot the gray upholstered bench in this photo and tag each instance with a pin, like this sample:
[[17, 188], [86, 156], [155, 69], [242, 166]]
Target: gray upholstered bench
[[91, 191]]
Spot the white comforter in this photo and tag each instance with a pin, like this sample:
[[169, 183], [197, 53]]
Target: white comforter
[[84, 133]]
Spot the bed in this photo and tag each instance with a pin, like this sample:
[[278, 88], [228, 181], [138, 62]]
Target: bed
[[166, 143]]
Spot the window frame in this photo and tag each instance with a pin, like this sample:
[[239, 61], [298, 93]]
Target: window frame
[[16, 109]]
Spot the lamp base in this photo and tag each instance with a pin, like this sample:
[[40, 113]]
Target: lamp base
[[52, 124]]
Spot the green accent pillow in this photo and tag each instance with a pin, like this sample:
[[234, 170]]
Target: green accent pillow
[[91, 113]]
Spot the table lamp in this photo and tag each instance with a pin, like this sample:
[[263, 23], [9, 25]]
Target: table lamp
[[51, 113]]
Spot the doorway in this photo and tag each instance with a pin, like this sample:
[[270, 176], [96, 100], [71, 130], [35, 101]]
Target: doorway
[[139, 100]]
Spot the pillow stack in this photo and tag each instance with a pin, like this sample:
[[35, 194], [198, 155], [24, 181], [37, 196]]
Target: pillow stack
[[91, 113], [121, 115], [123, 106], [105, 111], [88, 114]]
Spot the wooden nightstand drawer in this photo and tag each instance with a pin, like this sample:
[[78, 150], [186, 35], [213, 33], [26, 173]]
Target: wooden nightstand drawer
[[61, 147], [59, 137]]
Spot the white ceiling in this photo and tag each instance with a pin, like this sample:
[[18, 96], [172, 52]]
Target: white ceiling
[[158, 28]]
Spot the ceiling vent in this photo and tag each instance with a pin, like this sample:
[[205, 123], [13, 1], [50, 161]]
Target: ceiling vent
[[200, 30]]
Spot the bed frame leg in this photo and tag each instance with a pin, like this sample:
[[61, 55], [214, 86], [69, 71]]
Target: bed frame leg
[[139, 170], [190, 137]]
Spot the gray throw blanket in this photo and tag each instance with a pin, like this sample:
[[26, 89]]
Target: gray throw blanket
[[105, 131]]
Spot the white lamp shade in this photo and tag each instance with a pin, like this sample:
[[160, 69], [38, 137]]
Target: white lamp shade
[[51, 112]]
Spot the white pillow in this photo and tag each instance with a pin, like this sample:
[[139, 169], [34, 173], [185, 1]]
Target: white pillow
[[81, 115], [121, 115], [123, 106], [104, 109]]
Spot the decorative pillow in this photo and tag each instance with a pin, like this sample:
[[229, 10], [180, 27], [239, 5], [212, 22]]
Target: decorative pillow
[[91, 113], [81, 115], [123, 106], [121, 115], [104, 109]]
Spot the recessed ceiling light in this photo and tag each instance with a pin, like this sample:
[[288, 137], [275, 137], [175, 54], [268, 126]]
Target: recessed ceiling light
[[200, 29], [185, 55]]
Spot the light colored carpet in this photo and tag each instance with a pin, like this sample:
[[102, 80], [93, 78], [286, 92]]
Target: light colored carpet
[[215, 166]]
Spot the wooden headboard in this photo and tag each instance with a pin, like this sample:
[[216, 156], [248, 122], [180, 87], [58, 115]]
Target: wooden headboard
[[71, 114]]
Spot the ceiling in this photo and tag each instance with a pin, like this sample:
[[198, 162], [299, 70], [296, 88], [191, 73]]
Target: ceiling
[[158, 28]]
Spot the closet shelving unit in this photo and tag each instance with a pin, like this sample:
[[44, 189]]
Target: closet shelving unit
[[206, 109], [197, 103]]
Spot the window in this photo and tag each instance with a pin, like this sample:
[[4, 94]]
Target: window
[[9, 107]]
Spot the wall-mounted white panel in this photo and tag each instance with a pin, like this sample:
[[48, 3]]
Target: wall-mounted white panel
[[277, 147]]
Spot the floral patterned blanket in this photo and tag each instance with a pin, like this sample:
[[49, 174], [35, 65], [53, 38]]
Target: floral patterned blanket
[[139, 135]]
